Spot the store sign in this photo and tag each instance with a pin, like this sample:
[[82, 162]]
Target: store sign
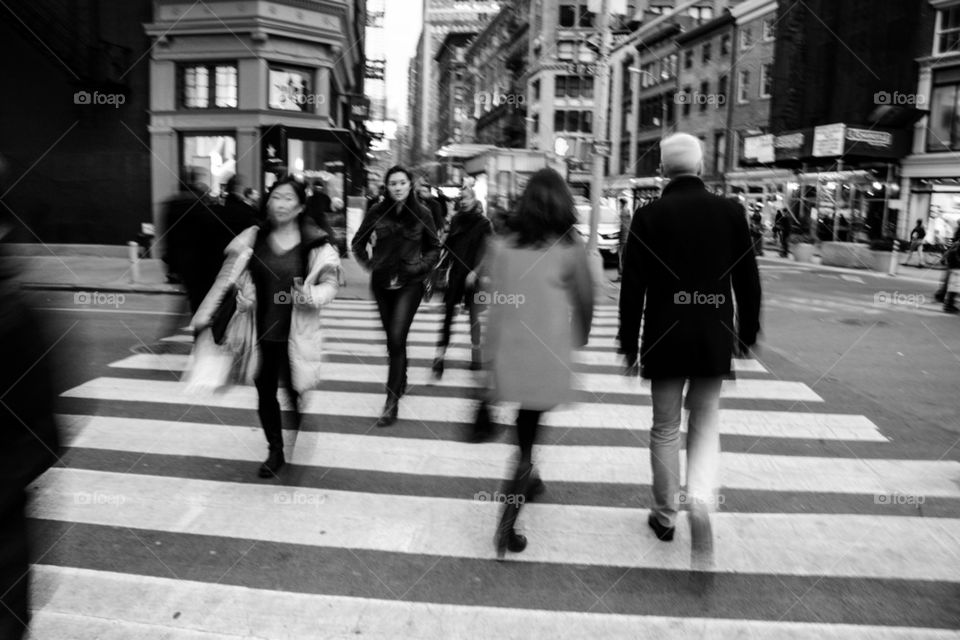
[[828, 140], [758, 148], [875, 139], [792, 145]]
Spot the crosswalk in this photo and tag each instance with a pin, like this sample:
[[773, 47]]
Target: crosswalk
[[156, 526]]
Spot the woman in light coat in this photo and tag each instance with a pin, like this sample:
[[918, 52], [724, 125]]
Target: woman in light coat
[[541, 307], [288, 270]]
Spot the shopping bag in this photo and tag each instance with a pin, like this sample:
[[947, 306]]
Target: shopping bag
[[208, 369]]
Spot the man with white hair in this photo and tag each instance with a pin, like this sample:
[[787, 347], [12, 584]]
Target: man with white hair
[[689, 253]]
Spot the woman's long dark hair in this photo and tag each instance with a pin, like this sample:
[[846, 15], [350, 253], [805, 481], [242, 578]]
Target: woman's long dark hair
[[545, 211]]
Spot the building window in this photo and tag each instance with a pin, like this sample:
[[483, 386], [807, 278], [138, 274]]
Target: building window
[[291, 90], [688, 59], [575, 15], [535, 86], [725, 44], [707, 53], [704, 92], [722, 87], [948, 30], [746, 38], [687, 99], [535, 123], [943, 128], [769, 28], [719, 152], [766, 81], [209, 86], [573, 87], [743, 87], [573, 121], [647, 77], [212, 157], [565, 50]]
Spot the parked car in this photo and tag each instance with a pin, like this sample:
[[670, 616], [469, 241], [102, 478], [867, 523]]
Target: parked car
[[608, 230]]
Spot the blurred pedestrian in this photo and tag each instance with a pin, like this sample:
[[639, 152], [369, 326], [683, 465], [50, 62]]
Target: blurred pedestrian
[[756, 231], [29, 440], [465, 246], [190, 224], [786, 228], [235, 214], [917, 236], [540, 309], [319, 206], [625, 216], [405, 246], [252, 197], [951, 282], [688, 254], [291, 273], [425, 194]]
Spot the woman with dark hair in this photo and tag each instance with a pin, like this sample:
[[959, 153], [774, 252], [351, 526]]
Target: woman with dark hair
[[405, 250], [465, 245], [540, 309], [289, 271]]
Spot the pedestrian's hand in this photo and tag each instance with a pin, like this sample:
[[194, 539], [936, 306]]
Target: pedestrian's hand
[[302, 295], [471, 280]]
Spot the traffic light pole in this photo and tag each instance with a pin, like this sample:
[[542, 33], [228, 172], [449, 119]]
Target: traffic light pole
[[601, 143]]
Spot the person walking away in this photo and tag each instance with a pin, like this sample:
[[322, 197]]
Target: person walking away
[[625, 217], [786, 228], [235, 214], [29, 439], [433, 205], [405, 250], [688, 256], [292, 273], [917, 236], [756, 231], [542, 309], [951, 287], [465, 244], [319, 207], [189, 224]]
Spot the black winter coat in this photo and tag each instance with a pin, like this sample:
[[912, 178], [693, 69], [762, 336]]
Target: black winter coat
[[469, 233], [684, 253], [406, 246]]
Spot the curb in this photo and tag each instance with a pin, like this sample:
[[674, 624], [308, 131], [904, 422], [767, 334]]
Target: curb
[[807, 266]]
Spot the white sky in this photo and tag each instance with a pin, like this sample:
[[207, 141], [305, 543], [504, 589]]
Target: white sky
[[403, 22]]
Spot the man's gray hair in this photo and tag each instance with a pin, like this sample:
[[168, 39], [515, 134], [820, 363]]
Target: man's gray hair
[[681, 154]]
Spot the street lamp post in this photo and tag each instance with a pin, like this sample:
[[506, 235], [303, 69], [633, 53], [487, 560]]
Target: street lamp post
[[600, 135]]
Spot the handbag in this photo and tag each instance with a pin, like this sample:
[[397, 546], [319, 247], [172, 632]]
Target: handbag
[[224, 313]]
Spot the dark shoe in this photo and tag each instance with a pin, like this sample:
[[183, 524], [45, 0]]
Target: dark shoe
[[437, 368], [507, 537], [663, 533], [951, 309], [476, 366], [272, 464], [482, 430], [509, 540], [389, 414]]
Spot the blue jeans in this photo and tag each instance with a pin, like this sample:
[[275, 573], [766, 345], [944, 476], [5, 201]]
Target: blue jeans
[[703, 444]]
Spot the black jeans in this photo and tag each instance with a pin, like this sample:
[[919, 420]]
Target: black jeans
[[528, 423], [474, 325], [274, 362], [397, 308]]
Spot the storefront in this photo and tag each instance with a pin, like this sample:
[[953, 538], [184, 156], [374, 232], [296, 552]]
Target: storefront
[[931, 183]]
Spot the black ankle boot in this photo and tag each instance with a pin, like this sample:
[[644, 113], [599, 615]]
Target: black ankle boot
[[437, 368], [507, 538], [272, 464], [389, 414]]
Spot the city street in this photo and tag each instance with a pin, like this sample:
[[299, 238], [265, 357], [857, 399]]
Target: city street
[[840, 500]]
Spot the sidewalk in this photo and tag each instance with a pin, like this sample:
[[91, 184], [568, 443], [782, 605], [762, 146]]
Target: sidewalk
[[928, 276], [106, 268]]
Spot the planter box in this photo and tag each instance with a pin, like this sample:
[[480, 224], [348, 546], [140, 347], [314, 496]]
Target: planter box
[[802, 252], [846, 254], [881, 260]]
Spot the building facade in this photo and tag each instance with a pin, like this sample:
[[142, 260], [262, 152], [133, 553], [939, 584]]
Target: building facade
[[382, 153], [258, 89]]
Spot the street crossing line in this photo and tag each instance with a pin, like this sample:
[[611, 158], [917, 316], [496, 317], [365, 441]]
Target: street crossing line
[[445, 458], [821, 545], [600, 383], [129, 606], [593, 415]]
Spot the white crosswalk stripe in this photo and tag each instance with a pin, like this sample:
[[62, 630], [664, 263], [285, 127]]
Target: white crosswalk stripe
[[152, 493]]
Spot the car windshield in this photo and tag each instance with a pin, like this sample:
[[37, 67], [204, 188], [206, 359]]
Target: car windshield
[[608, 215]]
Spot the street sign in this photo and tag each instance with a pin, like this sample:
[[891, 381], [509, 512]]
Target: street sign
[[602, 148]]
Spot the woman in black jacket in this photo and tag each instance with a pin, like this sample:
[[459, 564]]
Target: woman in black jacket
[[405, 250], [465, 244]]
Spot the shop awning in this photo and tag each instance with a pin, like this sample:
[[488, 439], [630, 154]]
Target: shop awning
[[463, 150]]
